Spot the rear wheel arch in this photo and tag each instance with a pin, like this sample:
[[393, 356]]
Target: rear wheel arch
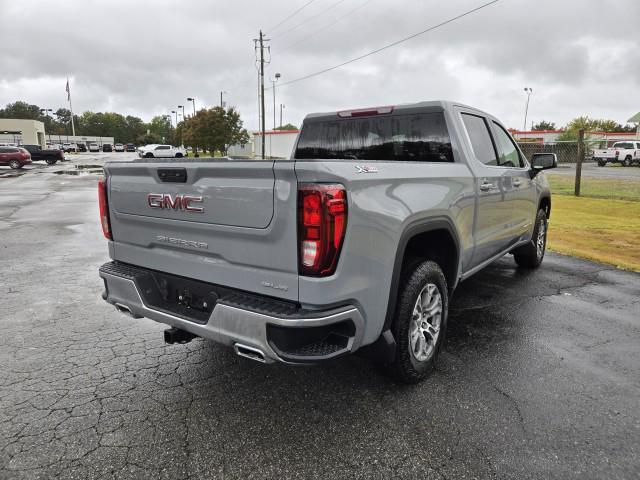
[[431, 239]]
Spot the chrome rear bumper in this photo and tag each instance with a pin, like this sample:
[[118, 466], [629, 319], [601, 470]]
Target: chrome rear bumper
[[233, 325]]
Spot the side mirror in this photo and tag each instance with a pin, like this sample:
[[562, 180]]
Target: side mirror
[[543, 161]]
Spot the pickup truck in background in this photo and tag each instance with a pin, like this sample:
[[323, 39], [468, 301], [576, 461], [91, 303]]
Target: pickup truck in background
[[355, 244], [161, 151], [51, 156], [626, 153]]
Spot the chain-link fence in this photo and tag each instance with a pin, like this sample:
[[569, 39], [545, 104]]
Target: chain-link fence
[[610, 182], [566, 151]]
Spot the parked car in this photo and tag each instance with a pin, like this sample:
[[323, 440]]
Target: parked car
[[69, 147], [15, 157], [130, 147], [106, 147], [356, 244], [160, 151], [118, 147], [94, 147], [51, 156], [82, 147], [626, 153]]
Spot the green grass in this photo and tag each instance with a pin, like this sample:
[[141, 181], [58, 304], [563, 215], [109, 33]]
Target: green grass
[[603, 230], [610, 188]]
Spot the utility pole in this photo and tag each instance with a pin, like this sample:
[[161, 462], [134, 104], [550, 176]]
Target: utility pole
[[259, 43], [262, 93]]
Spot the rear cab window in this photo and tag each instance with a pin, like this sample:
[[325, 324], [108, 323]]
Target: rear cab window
[[416, 137]]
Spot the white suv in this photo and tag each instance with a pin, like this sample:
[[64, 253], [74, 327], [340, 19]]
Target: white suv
[[160, 151]]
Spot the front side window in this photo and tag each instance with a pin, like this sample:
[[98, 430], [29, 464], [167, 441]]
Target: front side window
[[509, 156], [421, 137], [480, 139], [162, 147]]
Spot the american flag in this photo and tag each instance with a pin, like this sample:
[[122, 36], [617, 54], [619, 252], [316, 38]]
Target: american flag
[[68, 91]]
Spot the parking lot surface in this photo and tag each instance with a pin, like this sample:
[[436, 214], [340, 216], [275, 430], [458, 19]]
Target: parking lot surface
[[611, 171], [539, 377]]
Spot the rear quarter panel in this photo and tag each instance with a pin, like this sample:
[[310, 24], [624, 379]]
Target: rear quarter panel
[[381, 206]]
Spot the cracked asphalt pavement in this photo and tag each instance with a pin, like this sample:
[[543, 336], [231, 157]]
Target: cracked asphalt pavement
[[539, 377]]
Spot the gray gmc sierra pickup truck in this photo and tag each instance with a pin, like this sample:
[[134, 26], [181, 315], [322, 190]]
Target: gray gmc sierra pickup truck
[[356, 243]]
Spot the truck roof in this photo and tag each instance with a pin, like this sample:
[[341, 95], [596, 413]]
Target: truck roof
[[432, 105]]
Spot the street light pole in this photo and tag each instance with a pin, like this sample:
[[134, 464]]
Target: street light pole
[[281, 107], [273, 86], [193, 100], [528, 91], [221, 102]]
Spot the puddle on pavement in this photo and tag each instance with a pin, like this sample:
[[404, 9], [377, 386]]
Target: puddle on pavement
[[81, 170]]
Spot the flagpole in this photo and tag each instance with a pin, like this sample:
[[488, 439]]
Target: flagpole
[[73, 128]]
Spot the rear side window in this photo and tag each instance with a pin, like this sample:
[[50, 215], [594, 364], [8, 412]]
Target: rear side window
[[420, 137], [8, 150], [480, 139]]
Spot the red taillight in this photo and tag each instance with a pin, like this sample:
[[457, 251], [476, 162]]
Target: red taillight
[[322, 222], [104, 209]]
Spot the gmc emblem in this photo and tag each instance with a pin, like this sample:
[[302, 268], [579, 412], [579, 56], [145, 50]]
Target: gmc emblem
[[180, 202]]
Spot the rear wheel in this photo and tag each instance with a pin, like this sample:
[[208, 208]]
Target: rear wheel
[[420, 322], [15, 164], [178, 155], [627, 161], [601, 163], [51, 161], [532, 254]]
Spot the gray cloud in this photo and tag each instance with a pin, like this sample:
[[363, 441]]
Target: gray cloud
[[145, 58]]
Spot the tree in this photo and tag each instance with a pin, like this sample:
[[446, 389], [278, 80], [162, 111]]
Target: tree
[[22, 110], [544, 125], [288, 126], [148, 138], [591, 125], [160, 125], [214, 129]]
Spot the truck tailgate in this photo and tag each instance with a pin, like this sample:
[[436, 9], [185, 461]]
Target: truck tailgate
[[222, 221]]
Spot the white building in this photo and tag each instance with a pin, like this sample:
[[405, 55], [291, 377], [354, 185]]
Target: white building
[[279, 143], [551, 136], [26, 132]]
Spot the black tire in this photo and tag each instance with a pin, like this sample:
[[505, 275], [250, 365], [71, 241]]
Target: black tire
[[148, 155], [51, 161], [532, 254], [178, 155], [601, 163], [407, 367], [626, 162], [15, 164]]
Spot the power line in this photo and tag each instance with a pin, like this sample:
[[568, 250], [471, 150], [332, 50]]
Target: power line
[[291, 15], [393, 44], [307, 20], [324, 27]]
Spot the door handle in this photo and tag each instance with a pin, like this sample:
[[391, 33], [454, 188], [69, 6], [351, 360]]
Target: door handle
[[485, 187], [516, 183]]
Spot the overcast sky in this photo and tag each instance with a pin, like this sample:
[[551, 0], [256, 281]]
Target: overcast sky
[[145, 58]]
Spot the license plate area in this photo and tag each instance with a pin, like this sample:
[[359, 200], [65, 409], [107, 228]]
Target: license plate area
[[188, 299]]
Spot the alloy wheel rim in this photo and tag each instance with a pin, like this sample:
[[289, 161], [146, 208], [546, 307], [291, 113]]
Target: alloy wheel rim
[[425, 323]]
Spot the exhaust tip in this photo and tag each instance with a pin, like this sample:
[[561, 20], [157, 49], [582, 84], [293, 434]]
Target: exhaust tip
[[249, 352]]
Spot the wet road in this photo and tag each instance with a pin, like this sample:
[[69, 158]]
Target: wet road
[[539, 378]]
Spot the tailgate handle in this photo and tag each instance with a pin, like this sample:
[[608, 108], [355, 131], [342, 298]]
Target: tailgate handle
[[173, 175]]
